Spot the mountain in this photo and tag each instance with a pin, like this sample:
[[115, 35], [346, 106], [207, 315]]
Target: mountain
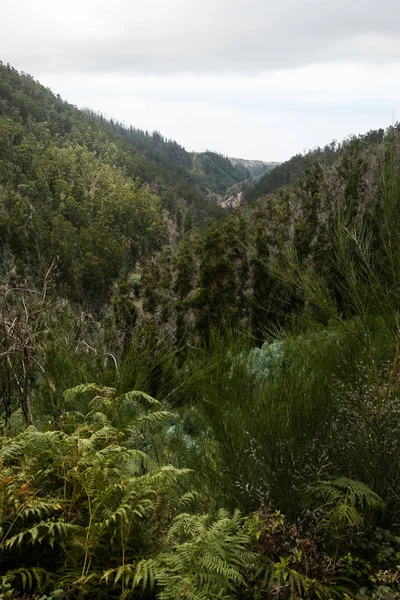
[[236, 194], [256, 168], [293, 169], [228, 271], [216, 172], [97, 195], [87, 178], [225, 179]]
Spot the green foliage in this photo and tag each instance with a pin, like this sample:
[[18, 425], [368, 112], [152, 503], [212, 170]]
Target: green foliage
[[203, 559], [343, 499], [86, 490], [77, 187], [293, 169], [217, 172], [264, 349]]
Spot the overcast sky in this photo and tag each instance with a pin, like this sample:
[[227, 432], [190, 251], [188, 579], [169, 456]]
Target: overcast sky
[[249, 78]]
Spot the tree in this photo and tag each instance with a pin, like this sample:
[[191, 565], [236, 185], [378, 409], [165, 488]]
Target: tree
[[23, 328]]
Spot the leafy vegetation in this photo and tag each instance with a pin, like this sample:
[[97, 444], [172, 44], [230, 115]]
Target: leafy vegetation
[[193, 407], [293, 169], [217, 172]]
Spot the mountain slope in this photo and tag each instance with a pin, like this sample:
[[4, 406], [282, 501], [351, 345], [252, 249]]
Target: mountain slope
[[255, 168], [95, 194], [216, 172], [229, 271], [148, 156], [292, 170], [224, 178], [88, 191]]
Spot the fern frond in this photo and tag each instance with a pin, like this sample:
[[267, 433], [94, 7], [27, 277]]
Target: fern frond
[[360, 492], [205, 560], [49, 530], [135, 395], [155, 418], [33, 579]]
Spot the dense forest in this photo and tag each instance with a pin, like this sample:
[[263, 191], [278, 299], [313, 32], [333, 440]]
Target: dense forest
[[195, 403]]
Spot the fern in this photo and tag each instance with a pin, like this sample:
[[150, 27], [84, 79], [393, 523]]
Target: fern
[[343, 500], [205, 558], [28, 578], [84, 489]]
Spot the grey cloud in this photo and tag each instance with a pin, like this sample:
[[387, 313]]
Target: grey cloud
[[165, 36]]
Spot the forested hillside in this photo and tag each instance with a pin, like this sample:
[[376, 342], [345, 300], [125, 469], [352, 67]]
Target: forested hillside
[[217, 172], [69, 179], [291, 170], [256, 168], [194, 403]]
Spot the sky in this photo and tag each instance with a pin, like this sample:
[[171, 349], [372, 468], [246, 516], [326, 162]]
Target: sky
[[247, 78]]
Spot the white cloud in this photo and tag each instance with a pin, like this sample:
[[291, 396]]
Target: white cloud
[[268, 116], [162, 36], [259, 79]]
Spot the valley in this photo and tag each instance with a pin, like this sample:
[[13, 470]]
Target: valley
[[199, 363]]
